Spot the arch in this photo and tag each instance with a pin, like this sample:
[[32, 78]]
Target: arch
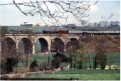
[[58, 45], [25, 46], [10, 37], [42, 45], [8, 47], [72, 44]]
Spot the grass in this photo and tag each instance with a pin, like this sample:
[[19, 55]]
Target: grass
[[88, 71], [80, 76], [43, 58], [83, 75], [115, 58]]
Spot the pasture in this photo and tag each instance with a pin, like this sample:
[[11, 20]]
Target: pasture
[[42, 59], [82, 74]]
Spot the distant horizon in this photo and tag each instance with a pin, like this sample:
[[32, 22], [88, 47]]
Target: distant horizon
[[35, 24]]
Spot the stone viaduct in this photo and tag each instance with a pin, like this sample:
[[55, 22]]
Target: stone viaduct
[[45, 40]]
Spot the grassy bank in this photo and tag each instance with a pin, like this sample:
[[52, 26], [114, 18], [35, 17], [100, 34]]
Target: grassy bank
[[83, 75]]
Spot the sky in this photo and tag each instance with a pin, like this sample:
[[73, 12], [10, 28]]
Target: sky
[[10, 15]]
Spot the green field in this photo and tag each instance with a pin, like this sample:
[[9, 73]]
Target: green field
[[43, 58], [83, 75]]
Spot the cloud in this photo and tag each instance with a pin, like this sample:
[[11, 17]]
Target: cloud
[[94, 8]]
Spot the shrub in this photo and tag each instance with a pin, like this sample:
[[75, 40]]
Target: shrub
[[34, 66]]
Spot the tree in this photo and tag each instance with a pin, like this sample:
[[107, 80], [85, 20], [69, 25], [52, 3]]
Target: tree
[[72, 46], [112, 45], [59, 10], [80, 55], [85, 50], [9, 58], [28, 46], [100, 53], [34, 66], [3, 30], [58, 45], [58, 59]]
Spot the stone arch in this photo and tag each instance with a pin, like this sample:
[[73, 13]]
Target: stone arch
[[44, 46], [10, 37], [58, 45], [73, 39], [19, 38], [47, 38], [72, 44], [25, 46], [8, 48]]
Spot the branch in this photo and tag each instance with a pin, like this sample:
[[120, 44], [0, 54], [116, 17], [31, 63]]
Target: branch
[[79, 9], [19, 8]]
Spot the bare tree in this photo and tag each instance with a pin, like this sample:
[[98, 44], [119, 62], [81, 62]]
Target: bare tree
[[100, 52], [56, 11], [3, 31], [80, 56], [29, 32], [71, 47], [8, 59]]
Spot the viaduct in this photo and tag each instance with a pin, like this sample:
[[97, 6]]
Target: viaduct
[[11, 42]]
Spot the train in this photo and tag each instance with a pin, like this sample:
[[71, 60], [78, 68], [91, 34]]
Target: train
[[56, 32], [62, 32]]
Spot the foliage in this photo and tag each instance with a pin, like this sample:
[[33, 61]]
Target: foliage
[[3, 31], [9, 65], [33, 66], [58, 59], [8, 60], [58, 45], [81, 60], [71, 47], [100, 56]]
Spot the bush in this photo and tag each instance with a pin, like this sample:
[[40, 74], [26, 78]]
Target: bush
[[34, 66]]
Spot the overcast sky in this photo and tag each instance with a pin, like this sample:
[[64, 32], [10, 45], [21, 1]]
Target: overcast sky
[[10, 15]]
